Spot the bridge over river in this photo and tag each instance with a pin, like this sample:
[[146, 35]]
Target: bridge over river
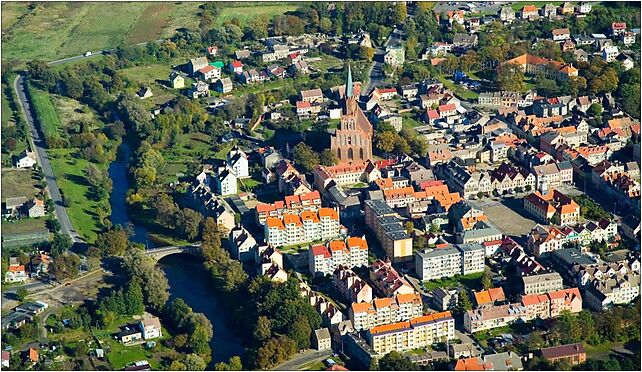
[[160, 252]]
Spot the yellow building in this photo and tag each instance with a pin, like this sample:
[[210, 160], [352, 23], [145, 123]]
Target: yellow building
[[416, 333]]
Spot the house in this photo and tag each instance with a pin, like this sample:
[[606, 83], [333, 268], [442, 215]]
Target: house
[[567, 45], [395, 55], [573, 354], [238, 161], [541, 283], [533, 65], [560, 34], [301, 67], [585, 7], [225, 181], [236, 67], [12, 206], [549, 11], [242, 54], [618, 28], [529, 12], [311, 95], [212, 50], [199, 89], [610, 53], [150, 328], [209, 73], [626, 61], [322, 339], [465, 350], [26, 159], [223, 85], [551, 205], [628, 38], [580, 55], [15, 274], [130, 333], [445, 299], [489, 296], [567, 8], [32, 355], [465, 41], [506, 14], [176, 80], [6, 356], [34, 208], [196, 64]]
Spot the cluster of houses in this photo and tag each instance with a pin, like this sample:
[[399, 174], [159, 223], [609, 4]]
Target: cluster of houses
[[18, 272]]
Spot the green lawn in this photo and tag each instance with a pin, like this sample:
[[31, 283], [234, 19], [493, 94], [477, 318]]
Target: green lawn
[[148, 74], [7, 112], [45, 113], [460, 91], [69, 172], [470, 281], [244, 12], [32, 225], [538, 4]]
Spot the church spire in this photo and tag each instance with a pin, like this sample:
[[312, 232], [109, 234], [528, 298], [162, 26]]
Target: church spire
[[349, 83]]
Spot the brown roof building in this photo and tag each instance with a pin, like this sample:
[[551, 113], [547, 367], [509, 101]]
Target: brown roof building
[[574, 354]]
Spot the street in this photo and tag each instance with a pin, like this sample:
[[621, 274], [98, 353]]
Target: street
[[376, 75], [302, 359], [38, 146]]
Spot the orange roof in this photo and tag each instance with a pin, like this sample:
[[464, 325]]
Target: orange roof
[[529, 8], [431, 317], [356, 241], [384, 183], [303, 104], [489, 296], [535, 299], [328, 212], [33, 354], [401, 192], [382, 302], [16, 268], [408, 297], [469, 364], [274, 222], [564, 293], [337, 245], [310, 196], [390, 327], [320, 250], [360, 307], [309, 216], [291, 219]]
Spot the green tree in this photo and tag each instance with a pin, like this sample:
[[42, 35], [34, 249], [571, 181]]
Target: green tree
[[300, 333], [486, 279], [133, 299], [190, 223], [328, 157], [385, 141], [400, 13], [263, 329], [464, 304], [366, 53], [22, 294], [177, 365], [509, 77], [595, 109], [394, 361], [305, 157], [194, 362]]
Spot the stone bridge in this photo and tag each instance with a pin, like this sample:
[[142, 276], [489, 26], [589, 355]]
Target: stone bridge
[[160, 252]]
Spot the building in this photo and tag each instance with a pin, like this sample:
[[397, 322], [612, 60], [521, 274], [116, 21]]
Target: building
[[209, 73], [529, 12], [492, 317], [352, 141], [196, 64], [269, 261], [561, 34], [15, 274], [390, 232], [417, 333], [322, 339], [26, 159], [489, 297], [324, 259], [573, 354], [445, 299], [225, 181], [386, 310], [541, 283], [242, 244], [552, 304], [610, 53], [150, 328], [34, 208], [533, 65], [506, 99], [464, 350], [552, 206], [223, 85], [238, 161], [506, 14], [302, 228], [395, 55], [176, 80], [311, 95], [387, 280], [552, 175], [615, 290], [351, 286], [459, 259]]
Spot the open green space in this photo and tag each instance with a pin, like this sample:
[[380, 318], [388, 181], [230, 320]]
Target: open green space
[[19, 182], [147, 75], [69, 170], [538, 4], [45, 113], [459, 91], [471, 281], [70, 111], [150, 24], [246, 11], [7, 113], [26, 226]]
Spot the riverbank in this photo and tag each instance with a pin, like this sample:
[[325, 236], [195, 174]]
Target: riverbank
[[189, 280]]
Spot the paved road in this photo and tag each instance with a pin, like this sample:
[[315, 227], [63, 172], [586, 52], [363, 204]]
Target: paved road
[[302, 359], [375, 74], [43, 161], [92, 54]]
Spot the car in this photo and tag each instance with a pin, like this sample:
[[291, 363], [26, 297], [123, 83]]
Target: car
[[87, 54]]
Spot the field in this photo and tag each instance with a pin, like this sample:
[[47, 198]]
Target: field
[[69, 111], [45, 113], [471, 281], [28, 226], [244, 12], [18, 182], [538, 4], [69, 171], [55, 30], [460, 91]]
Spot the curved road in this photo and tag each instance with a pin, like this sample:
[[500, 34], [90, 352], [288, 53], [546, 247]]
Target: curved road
[[38, 147]]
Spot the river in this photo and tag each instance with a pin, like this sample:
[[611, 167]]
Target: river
[[187, 277], [189, 280]]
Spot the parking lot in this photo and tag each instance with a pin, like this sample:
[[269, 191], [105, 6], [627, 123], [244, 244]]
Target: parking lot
[[509, 216]]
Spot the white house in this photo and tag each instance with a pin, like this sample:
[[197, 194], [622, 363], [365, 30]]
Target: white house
[[237, 159], [15, 274], [610, 53], [210, 73], [150, 328], [225, 181], [26, 159]]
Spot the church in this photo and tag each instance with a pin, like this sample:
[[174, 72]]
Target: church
[[352, 141]]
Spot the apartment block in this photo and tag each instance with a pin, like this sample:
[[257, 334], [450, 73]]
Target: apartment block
[[492, 317], [292, 204], [351, 286], [324, 259], [380, 311], [552, 304], [416, 333], [552, 205], [389, 230], [304, 228], [541, 283], [451, 260], [387, 280]]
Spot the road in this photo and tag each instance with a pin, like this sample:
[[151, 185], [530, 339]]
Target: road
[[92, 54], [375, 74], [302, 359], [38, 146]]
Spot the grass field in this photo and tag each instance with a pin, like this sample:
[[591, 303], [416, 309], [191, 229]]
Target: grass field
[[69, 111], [538, 4], [7, 113], [18, 182], [150, 23], [470, 281], [69, 171], [32, 225], [458, 89], [45, 113], [245, 12], [147, 75]]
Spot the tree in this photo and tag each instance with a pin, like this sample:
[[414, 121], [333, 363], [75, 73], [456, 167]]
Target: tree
[[190, 223], [151, 278], [233, 364], [400, 13], [300, 332], [366, 53], [410, 227], [133, 299], [486, 279], [113, 242], [60, 244], [464, 303], [328, 157], [194, 362], [22, 294], [509, 77], [394, 361], [385, 141], [263, 329], [595, 109], [305, 157], [177, 365]]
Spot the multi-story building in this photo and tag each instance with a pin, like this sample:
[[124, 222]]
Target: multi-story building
[[242, 244], [387, 280], [387, 226], [507, 99], [541, 283], [616, 290], [543, 239], [553, 175], [395, 55], [573, 354], [553, 204], [419, 332], [237, 159], [492, 317], [533, 65], [459, 259], [552, 304], [324, 259], [304, 228], [292, 204], [351, 286], [403, 307], [224, 180]]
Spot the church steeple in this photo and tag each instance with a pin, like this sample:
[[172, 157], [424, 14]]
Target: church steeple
[[349, 83]]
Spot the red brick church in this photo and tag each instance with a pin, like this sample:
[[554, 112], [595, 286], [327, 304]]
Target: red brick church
[[352, 141]]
